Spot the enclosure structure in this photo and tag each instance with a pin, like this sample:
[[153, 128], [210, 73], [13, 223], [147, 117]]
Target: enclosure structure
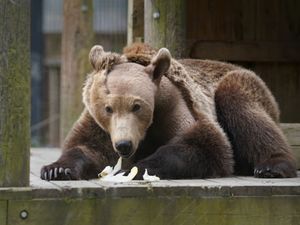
[[25, 199], [234, 200]]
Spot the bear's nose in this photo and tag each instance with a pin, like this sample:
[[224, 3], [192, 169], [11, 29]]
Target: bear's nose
[[124, 148]]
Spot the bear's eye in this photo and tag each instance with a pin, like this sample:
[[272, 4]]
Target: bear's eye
[[108, 109], [136, 107]]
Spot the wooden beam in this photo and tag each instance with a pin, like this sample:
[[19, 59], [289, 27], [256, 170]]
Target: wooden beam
[[54, 99], [236, 200], [3, 212], [77, 40], [165, 25], [37, 75], [245, 51], [292, 133], [135, 28], [14, 92], [150, 209]]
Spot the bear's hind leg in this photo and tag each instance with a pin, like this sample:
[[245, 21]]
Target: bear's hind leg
[[248, 114]]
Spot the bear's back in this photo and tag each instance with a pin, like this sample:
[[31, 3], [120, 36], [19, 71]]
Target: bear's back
[[207, 73]]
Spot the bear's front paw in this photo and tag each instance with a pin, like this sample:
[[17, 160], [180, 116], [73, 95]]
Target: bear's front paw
[[142, 168], [275, 169], [141, 171], [59, 171]]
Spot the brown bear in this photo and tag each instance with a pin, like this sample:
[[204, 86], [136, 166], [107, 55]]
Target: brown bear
[[177, 118]]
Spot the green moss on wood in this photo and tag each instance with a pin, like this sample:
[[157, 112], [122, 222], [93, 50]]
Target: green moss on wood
[[15, 93], [159, 211], [169, 29], [3, 211]]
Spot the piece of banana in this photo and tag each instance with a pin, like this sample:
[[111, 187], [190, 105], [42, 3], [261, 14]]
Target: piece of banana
[[150, 178], [109, 174]]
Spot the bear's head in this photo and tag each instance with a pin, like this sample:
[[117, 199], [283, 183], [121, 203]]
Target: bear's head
[[120, 96]]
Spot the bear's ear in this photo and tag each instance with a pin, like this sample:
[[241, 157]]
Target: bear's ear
[[96, 55], [159, 65]]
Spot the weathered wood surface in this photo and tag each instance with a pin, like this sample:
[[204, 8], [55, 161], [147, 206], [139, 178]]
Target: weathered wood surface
[[3, 212], [232, 186], [233, 200], [158, 211], [14, 92], [165, 25], [77, 40], [260, 35], [243, 21], [53, 109], [246, 51], [135, 24], [292, 132], [283, 79]]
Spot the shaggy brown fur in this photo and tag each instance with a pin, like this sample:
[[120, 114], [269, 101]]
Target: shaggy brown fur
[[201, 119]]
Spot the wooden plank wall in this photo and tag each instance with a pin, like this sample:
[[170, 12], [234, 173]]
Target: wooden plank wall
[[292, 133], [3, 212], [166, 210], [261, 35]]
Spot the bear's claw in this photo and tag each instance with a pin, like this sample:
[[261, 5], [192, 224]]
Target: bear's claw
[[267, 173], [52, 172], [274, 169]]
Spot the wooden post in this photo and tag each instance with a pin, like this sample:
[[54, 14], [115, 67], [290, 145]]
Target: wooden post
[[14, 92], [165, 25], [37, 78], [54, 99], [135, 29], [77, 40]]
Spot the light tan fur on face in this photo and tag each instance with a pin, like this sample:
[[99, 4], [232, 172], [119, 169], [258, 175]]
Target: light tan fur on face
[[132, 79], [94, 92], [124, 124], [119, 85], [120, 90]]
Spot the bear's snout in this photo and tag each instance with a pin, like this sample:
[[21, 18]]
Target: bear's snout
[[124, 148]]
